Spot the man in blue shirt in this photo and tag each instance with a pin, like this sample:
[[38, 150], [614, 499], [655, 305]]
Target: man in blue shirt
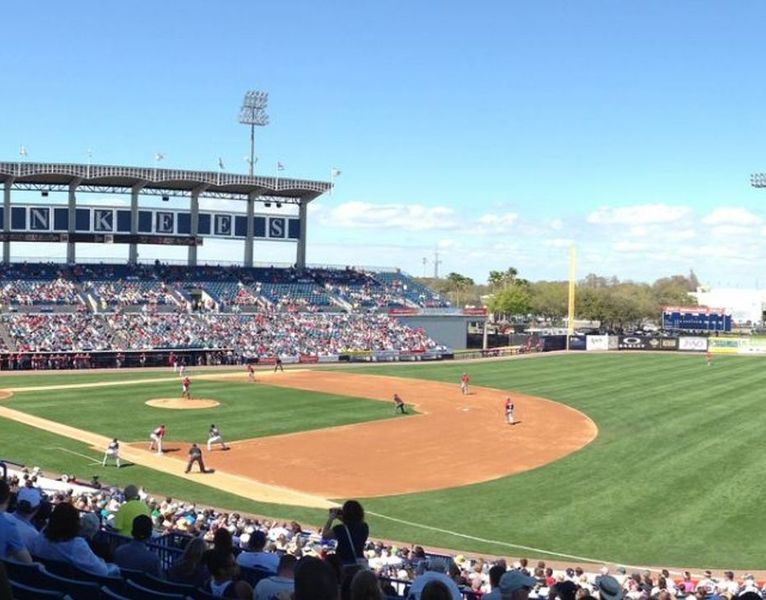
[[135, 555], [11, 545]]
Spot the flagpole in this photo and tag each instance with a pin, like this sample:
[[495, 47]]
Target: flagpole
[[276, 176]]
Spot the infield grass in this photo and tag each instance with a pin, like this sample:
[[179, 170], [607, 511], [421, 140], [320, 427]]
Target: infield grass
[[674, 478]]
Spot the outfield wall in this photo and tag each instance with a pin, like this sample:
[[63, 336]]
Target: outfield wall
[[682, 343]]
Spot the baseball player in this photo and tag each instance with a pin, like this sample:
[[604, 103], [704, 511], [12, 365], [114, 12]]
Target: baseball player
[[112, 451], [399, 405], [182, 371], [708, 358], [509, 411], [214, 437], [278, 366], [250, 373], [464, 379], [185, 384], [156, 437]]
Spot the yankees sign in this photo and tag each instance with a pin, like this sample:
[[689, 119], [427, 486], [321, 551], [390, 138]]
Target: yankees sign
[[151, 221]]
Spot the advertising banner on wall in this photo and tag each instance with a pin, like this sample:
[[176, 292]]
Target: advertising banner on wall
[[692, 344], [726, 345], [632, 342], [662, 343], [597, 342]]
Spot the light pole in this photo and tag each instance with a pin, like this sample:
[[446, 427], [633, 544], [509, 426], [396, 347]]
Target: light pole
[[253, 113]]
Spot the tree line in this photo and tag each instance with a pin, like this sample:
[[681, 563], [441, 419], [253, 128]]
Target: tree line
[[614, 303]]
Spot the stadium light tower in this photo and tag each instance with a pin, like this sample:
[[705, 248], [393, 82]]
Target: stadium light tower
[[253, 113]]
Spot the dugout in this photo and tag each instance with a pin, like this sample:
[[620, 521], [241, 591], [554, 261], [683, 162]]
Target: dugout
[[447, 329]]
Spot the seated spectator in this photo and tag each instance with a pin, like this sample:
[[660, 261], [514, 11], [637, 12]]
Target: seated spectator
[[495, 573], [223, 571], [90, 525], [28, 501], [435, 590], [608, 588], [135, 555], [436, 570], [190, 567], [281, 583], [59, 541], [315, 580], [11, 544], [133, 506], [365, 586], [255, 557]]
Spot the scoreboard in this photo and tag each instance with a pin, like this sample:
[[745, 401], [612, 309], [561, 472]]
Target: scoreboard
[[695, 318]]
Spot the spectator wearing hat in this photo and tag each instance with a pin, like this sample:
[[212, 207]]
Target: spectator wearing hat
[[436, 570], [133, 506], [514, 585], [135, 555], [28, 501], [11, 544], [255, 556], [609, 588], [90, 525], [223, 572]]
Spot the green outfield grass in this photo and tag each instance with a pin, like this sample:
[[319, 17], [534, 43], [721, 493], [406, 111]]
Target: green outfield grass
[[674, 478]]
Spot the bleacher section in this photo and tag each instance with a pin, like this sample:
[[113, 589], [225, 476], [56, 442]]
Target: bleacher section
[[411, 290]]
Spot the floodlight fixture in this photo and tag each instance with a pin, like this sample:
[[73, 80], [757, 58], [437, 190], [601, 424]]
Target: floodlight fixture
[[758, 180], [253, 113]]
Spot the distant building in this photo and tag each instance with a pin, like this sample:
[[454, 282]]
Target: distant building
[[743, 305]]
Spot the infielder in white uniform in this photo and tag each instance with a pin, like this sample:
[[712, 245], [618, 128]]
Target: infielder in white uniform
[[214, 437], [112, 451], [156, 437]]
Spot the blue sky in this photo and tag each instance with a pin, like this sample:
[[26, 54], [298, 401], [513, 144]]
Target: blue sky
[[497, 132]]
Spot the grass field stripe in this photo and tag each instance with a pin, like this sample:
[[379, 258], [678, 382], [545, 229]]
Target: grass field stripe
[[511, 545], [91, 458], [487, 541]]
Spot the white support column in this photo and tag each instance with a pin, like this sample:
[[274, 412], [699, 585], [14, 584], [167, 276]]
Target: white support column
[[7, 219], [250, 229], [133, 248], [300, 258], [194, 229], [72, 221]]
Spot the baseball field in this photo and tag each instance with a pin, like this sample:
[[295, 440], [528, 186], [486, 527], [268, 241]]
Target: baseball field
[[638, 459]]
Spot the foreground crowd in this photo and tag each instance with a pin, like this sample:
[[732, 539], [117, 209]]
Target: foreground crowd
[[61, 520]]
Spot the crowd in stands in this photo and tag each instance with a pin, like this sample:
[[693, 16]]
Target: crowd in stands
[[259, 334], [239, 556], [130, 293], [30, 292], [113, 286]]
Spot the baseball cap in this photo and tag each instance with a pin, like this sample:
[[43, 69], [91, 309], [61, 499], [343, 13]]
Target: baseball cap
[[609, 588], [515, 580], [131, 491], [28, 499]]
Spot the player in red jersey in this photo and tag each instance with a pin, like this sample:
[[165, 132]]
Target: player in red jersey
[[464, 379], [185, 385], [250, 373], [509, 411]]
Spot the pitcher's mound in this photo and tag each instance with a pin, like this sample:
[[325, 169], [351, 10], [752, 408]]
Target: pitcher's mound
[[5, 394], [182, 403]]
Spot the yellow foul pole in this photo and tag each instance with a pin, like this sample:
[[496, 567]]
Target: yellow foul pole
[[572, 279]]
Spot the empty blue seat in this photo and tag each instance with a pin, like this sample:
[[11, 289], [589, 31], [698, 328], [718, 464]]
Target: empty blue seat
[[107, 594], [78, 590], [23, 572], [165, 586], [139, 592], [21, 591]]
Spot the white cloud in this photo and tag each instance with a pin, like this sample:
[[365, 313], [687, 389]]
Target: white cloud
[[639, 214], [732, 231], [498, 221], [559, 242], [732, 215], [557, 224], [411, 217], [628, 246]]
